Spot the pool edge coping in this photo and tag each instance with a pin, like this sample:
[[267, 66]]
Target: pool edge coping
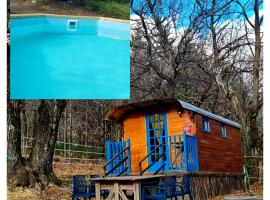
[[14, 16]]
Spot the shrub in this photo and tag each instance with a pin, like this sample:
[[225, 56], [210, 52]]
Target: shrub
[[116, 8]]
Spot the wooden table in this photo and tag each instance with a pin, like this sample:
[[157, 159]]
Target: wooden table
[[116, 185]]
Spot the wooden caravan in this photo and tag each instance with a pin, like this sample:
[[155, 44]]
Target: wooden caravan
[[170, 135]]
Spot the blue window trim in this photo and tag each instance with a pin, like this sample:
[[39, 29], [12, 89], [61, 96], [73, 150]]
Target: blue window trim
[[207, 128], [153, 168], [223, 131]]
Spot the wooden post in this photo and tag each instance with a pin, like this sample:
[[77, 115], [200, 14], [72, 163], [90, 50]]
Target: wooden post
[[137, 189], [97, 190], [116, 191]]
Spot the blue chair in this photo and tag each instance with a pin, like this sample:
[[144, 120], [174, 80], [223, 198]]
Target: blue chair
[[169, 188], [169, 184], [154, 193], [182, 188], [80, 188], [164, 190]]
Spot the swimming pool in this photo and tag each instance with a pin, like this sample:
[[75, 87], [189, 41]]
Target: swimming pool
[[69, 58]]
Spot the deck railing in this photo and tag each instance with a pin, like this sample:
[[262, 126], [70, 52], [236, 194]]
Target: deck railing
[[178, 153], [183, 152], [176, 149], [118, 158]]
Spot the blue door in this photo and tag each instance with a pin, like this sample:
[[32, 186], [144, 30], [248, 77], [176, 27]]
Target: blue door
[[156, 127]]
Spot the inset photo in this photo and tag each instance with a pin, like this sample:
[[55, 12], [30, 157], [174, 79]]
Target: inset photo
[[73, 54]]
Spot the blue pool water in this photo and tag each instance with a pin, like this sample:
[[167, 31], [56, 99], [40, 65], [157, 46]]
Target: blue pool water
[[51, 60]]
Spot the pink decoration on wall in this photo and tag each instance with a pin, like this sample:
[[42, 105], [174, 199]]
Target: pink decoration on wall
[[187, 129]]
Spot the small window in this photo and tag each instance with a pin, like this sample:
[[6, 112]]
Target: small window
[[223, 131], [206, 126]]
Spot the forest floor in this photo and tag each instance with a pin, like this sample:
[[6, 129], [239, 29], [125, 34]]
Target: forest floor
[[255, 190], [66, 8], [65, 173]]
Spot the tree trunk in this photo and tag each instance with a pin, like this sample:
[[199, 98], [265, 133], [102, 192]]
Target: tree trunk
[[171, 89], [102, 135], [16, 170], [37, 170], [49, 114], [257, 58], [24, 134], [14, 132]]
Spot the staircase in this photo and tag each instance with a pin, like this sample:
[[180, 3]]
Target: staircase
[[118, 158], [180, 154], [157, 159]]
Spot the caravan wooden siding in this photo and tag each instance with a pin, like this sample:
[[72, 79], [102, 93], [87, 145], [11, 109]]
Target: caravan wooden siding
[[217, 154], [176, 122], [135, 130]]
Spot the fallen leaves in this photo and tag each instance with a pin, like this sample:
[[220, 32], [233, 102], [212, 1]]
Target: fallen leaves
[[255, 189], [63, 171], [15, 193]]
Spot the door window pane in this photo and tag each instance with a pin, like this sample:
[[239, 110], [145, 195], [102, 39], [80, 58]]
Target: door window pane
[[157, 135]]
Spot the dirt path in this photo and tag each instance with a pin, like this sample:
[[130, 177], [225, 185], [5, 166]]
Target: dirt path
[[16, 8]]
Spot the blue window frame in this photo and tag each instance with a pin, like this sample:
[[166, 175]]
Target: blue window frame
[[156, 126], [206, 126], [223, 131]]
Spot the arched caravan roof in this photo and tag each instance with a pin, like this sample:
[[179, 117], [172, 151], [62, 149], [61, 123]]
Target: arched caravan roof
[[119, 112]]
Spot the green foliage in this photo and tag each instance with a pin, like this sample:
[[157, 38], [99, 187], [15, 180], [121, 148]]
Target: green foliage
[[91, 4], [114, 8], [108, 8]]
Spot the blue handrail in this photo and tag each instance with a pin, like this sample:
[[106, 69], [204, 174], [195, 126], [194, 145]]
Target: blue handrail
[[162, 155], [118, 158]]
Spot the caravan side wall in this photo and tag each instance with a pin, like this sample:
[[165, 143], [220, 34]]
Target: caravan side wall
[[217, 154]]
